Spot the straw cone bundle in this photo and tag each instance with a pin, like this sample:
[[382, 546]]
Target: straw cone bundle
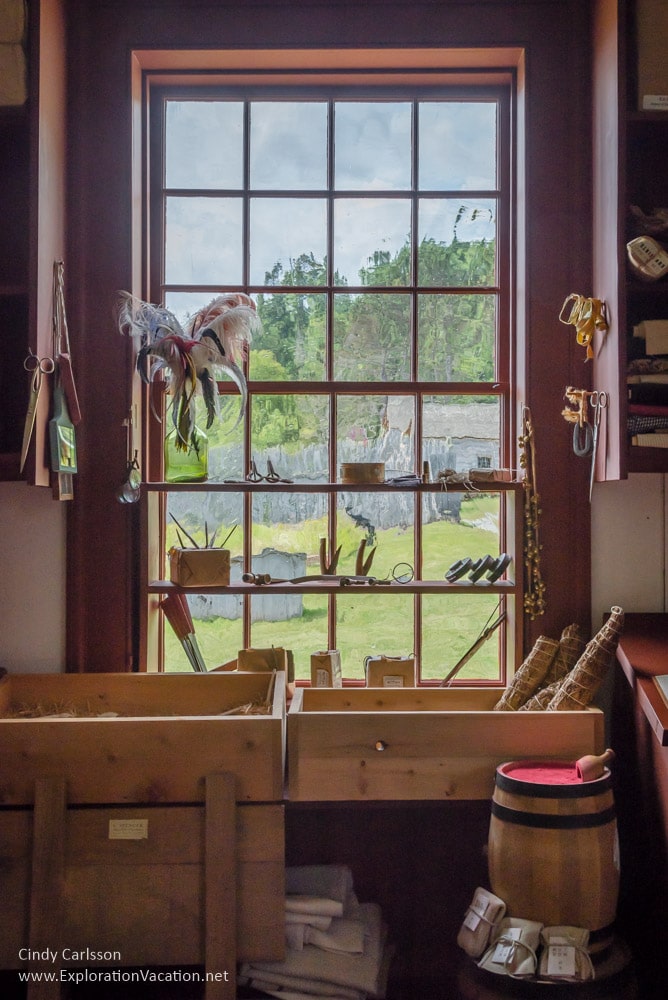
[[541, 699], [581, 684], [571, 648], [530, 675]]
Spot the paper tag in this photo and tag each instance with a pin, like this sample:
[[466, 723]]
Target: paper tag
[[472, 921], [393, 681], [655, 102], [128, 829], [561, 960], [505, 947]]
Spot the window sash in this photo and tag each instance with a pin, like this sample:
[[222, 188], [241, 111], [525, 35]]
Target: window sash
[[333, 389]]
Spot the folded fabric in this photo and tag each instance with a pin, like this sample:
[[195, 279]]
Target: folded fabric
[[565, 954], [288, 993], [328, 881], [358, 972], [313, 919], [484, 911], [343, 935], [314, 905], [513, 948]]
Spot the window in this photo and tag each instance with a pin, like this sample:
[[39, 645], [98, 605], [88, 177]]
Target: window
[[371, 226]]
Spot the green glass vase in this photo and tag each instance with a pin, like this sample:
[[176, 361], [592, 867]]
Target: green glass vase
[[186, 463]]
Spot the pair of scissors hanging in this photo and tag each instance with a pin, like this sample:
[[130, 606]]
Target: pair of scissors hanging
[[37, 368], [599, 403]]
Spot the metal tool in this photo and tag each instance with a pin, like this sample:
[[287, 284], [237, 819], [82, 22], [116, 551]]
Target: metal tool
[[37, 367], [598, 402]]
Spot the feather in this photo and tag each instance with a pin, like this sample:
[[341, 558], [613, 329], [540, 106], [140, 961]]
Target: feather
[[216, 337]]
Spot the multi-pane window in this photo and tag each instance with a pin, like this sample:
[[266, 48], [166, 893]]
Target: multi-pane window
[[372, 230]]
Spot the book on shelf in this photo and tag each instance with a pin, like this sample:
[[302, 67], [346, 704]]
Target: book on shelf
[[653, 439]]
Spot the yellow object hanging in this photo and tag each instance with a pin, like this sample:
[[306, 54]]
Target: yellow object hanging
[[587, 316]]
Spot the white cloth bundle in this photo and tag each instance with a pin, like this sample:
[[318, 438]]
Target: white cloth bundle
[[342, 935], [328, 881], [318, 906], [315, 972]]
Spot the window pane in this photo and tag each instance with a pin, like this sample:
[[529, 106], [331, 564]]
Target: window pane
[[304, 634], [377, 429], [457, 338], [458, 525], [372, 146], [450, 626], [288, 145], [291, 344], [204, 144], [369, 625], [457, 242], [292, 431], [371, 241], [288, 243], [372, 337], [287, 528], [458, 433], [203, 241], [457, 146], [217, 617], [385, 522]]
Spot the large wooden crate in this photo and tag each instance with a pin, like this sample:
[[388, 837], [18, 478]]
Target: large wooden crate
[[417, 744], [169, 734], [141, 857]]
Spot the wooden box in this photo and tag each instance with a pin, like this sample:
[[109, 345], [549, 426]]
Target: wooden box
[[170, 732], [199, 567], [141, 901], [419, 743]]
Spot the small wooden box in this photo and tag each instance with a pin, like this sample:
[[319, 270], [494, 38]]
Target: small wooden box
[[419, 743], [169, 734], [199, 567]]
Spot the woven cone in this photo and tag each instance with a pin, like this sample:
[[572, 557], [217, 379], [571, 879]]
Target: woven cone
[[571, 648], [541, 699], [581, 684], [530, 675]]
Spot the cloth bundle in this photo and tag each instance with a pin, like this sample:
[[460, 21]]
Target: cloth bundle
[[522, 949], [336, 946]]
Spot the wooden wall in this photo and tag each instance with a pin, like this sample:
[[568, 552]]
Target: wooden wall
[[102, 560]]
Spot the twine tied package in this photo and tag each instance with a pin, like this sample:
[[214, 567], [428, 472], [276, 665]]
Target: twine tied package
[[199, 567], [390, 671]]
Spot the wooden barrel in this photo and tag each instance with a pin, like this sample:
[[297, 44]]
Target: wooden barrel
[[553, 847]]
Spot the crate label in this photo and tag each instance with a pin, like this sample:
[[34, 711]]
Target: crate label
[[393, 681], [128, 829], [655, 102]]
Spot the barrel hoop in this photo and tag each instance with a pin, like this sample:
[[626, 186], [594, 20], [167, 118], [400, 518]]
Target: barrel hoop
[[601, 934], [553, 822], [581, 790]]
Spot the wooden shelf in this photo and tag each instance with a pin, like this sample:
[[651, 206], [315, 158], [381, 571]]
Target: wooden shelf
[[644, 647], [210, 486], [335, 587]]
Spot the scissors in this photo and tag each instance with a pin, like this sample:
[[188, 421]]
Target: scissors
[[599, 403], [37, 367]]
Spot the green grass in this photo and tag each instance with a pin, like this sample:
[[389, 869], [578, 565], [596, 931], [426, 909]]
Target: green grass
[[369, 624]]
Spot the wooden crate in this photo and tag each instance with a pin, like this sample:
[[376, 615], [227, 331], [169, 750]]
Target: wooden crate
[[170, 733], [144, 898], [417, 744]]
